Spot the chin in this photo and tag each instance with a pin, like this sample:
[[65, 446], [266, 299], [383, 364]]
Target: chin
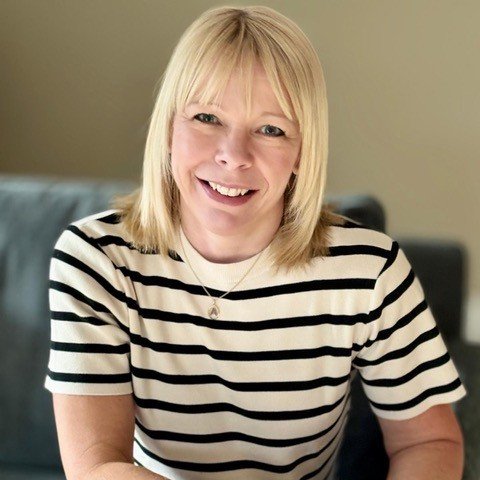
[[223, 223], [224, 228]]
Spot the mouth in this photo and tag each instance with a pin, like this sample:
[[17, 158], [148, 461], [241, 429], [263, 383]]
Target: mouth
[[221, 199], [207, 184]]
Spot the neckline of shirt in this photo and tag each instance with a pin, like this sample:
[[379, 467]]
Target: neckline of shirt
[[221, 275]]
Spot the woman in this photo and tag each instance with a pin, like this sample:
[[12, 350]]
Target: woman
[[214, 318]]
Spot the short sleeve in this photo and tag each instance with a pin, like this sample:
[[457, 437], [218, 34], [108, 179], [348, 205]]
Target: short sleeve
[[404, 364], [90, 347]]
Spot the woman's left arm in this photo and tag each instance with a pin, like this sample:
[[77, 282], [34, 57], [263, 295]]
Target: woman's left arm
[[428, 446]]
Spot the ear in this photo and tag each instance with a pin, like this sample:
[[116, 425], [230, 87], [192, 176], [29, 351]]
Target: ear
[[297, 163], [295, 168]]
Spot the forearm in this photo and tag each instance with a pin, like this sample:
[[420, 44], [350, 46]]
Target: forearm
[[439, 460], [120, 471]]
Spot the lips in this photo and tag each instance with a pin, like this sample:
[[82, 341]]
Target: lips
[[218, 197]]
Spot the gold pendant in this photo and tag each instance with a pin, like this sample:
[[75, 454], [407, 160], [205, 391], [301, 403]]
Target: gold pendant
[[213, 311]]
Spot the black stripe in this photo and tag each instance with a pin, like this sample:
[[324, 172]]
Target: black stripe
[[344, 250], [401, 352], [107, 240], [64, 288], [449, 387], [90, 347], [239, 356], [254, 293], [237, 436], [356, 347], [394, 382], [72, 317], [112, 218], [387, 332], [236, 464], [90, 240], [90, 377], [321, 467], [401, 323], [286, 386], [251, 326], [227, 407], [391, 257], [393, 296]]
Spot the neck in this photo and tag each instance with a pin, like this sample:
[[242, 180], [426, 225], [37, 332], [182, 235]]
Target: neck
[[220, 248]]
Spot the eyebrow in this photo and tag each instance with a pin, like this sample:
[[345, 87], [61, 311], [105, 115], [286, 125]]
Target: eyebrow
[[216, 105]]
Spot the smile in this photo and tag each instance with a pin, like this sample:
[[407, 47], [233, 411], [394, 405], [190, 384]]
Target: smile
[[226, 199], [229, 192]]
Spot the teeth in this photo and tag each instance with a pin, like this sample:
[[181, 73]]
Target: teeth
[[230, 192]]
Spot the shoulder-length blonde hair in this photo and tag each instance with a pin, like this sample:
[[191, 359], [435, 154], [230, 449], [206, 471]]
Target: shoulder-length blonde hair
[[220, 40]]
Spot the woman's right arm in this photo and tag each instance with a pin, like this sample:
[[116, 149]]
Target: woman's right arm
[[95, 434]]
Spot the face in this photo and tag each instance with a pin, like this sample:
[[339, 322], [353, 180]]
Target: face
[[227, 145]]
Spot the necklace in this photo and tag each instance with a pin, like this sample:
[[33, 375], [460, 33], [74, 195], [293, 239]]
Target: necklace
[[214, 309]]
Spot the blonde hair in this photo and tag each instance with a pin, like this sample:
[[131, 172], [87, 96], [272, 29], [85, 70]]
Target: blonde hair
[[220, 40]]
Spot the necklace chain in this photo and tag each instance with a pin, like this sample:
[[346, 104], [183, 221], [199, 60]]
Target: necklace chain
[[214, 310]]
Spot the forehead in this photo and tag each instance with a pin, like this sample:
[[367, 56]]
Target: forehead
[[248, 82], [239, 85]]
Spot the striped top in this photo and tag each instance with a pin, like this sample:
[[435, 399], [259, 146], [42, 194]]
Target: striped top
[[262, 392]]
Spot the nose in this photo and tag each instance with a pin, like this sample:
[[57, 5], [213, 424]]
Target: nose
[[234, 151]]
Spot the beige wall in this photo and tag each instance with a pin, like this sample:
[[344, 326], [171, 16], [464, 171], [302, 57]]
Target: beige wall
[[78, 77]]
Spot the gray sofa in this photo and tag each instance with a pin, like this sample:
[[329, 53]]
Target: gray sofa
[[34, 211]]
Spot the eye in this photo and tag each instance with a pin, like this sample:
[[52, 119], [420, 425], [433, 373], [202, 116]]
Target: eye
[[205, 118], [272, 131]]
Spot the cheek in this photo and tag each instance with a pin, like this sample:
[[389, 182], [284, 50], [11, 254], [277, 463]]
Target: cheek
[[188, 141], [280, 164]]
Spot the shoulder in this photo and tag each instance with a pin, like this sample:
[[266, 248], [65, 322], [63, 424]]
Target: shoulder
[[356, 257], [101, 223], [103, 227], [351, 240], [102, 231]]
